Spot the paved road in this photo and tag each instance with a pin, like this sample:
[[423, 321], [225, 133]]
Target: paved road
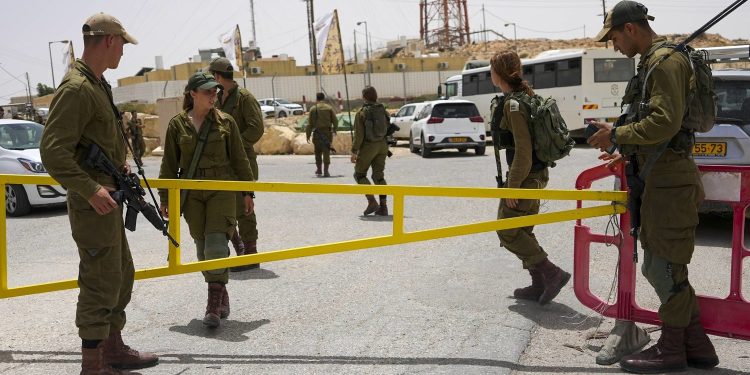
[[435, 307]]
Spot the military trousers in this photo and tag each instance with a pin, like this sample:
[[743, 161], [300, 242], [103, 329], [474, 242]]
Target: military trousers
[[676, 295], [371, 155], [210, 218], [248, 224], [521, 241], [322, 147], [105, 269]]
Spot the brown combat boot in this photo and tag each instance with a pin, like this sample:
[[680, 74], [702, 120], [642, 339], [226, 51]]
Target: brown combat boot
[[251, 248], [239, 247], [383, 209], [372, 205], [121, 356], [224, 311], [533, 291], [317, 170], [554, 280], [325, 170], [213, 306], [93, 363], [699, 350], [668, 355]]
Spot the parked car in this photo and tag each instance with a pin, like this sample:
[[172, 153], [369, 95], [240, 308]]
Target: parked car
[[19, 154], [267, 110], [404, 118], [283, 107], [446, 124]]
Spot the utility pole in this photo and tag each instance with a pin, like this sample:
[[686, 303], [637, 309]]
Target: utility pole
[[355, 46], [484, 27], [252, 18], [604, 14], [30, 105], [311, 36]]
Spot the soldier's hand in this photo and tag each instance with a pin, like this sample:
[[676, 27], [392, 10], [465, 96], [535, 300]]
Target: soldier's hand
[[308, 140], [612, 159], [354, 158], [164, 211], [101, 201], [511, 202], [249, 205], [601, 139]]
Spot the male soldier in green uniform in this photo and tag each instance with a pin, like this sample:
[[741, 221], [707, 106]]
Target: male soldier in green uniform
[[656, 104], [82, 113], [244, 108], [369, 147], [135, 128], [322, 123]]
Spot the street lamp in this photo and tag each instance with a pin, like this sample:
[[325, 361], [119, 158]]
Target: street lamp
[[367, 52], [515, 42], [49, 47]]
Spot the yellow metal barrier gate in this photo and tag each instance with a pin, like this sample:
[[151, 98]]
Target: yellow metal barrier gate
[[615, 204]]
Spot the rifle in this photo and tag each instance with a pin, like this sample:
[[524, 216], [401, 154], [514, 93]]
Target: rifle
[[324, 139], [497, 115], [129, 192]]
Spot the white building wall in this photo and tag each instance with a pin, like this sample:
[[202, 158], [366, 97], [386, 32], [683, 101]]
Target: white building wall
[[294, 87]]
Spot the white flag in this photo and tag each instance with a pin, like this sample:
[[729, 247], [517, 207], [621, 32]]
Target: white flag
[[228, 44], [69, 57], [322, 26]]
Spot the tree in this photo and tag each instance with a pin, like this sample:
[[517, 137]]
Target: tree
[[42, 90]]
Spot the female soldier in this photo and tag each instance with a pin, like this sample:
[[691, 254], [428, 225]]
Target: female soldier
[[209, 214], [526, 171], [370, 148]]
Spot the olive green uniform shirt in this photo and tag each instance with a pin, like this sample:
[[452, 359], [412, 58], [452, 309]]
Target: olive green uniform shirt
[[514, 120], [245, 110], [223, 153], [321, 118]]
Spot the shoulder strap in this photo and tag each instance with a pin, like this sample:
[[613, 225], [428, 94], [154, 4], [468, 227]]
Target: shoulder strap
[[202, 138]]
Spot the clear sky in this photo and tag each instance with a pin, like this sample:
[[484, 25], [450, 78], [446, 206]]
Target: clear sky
[[177, 29]]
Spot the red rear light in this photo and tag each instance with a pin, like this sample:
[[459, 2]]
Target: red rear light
[[434, 120], [476, 119]]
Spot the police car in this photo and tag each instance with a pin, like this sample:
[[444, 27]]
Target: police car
[[19, 154]]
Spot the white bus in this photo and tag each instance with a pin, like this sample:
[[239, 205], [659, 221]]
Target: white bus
[[588, 84]]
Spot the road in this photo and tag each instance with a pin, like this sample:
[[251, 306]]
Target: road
[[436, 307]]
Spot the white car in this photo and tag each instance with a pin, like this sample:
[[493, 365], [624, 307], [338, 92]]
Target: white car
[[267, 110], [448, 124], [19, 154], [283, 107], [404, 118]]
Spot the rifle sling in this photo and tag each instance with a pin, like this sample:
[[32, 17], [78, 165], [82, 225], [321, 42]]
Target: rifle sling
[[198, 152]]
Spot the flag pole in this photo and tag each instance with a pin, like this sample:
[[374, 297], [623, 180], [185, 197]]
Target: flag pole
[[346, 82]]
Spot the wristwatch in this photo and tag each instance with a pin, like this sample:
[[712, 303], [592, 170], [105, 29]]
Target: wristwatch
[[251, 194]]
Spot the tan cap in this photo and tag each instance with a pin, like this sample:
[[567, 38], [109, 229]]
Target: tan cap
[[104, 24], [623, 12]]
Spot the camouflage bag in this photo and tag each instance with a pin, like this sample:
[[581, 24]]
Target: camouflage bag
[[548, 130], [376, 122]]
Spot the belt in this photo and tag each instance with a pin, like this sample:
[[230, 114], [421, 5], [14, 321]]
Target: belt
[[213, 172]]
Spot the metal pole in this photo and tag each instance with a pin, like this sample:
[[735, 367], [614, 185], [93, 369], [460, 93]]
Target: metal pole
[[369, 62], [355, 47], [515, 39], [484, 28], [51, 67], [403, 79], [273, 95]]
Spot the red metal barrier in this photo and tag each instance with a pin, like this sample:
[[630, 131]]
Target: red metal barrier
[[728, 316]]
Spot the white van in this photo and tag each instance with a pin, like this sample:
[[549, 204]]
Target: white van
[[404, 118], [442, 124]]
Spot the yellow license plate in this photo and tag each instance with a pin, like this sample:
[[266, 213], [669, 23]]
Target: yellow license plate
[[457, 139], [710, 149]]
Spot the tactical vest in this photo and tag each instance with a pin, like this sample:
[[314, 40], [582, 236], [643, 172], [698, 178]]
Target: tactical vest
[[505, 136], [636, 106]]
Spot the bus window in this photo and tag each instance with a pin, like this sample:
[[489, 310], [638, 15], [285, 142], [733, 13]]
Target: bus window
[[470, 84], [544, 75], [569, 72], [528, 73], [613, 70], [485, 85], [451, 89]]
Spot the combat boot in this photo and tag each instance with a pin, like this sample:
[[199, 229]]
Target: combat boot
[[248, 247], [383, 209], [325, 170], [554, 280], [236, 240], [212, 319], [93, 363], [224, 311], [668, 355], [372, 205], [317, 170], [121, 356], [699, 350], [251, 248], [533, 291]]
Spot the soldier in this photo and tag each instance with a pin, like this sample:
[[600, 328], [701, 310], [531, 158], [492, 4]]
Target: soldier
[[135, 128], [526, 171], [369, 147], [204, 143], [656, 103], [82, 113], [322, 123], [245, 109]]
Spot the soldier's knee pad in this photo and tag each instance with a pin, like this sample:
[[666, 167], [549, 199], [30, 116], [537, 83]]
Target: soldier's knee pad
[[507, 236], [379, 180], [216, 247], [361, 178], [658, 274]]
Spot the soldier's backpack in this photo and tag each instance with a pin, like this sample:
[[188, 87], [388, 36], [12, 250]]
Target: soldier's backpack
[[549, 133], [376, 122]]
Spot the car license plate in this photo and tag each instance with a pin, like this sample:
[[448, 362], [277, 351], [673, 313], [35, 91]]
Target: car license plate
[[457, 139], [710, 149]]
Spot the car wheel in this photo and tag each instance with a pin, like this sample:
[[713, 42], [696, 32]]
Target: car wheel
[[412, 148], [462, 149], [16, 201], [282, 114], [425, 152], [479, 150]]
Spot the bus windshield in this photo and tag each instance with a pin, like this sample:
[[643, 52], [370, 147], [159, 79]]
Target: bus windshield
[[613, 70]]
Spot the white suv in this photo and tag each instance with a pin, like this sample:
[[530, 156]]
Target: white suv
[[447, 124], [404, 118], [283, 107]]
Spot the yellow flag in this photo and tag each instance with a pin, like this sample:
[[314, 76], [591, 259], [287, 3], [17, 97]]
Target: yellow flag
[[332, 55]]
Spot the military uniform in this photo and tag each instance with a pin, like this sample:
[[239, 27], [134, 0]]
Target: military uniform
[[370, 154], [82, 112], [321, 124], [245, 110], [673, 190], [136, 136], [209, 214]]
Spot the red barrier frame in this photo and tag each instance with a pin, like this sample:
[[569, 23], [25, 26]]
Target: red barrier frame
[[728, 316]]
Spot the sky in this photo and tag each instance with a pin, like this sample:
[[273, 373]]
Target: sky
[[177, 29]]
